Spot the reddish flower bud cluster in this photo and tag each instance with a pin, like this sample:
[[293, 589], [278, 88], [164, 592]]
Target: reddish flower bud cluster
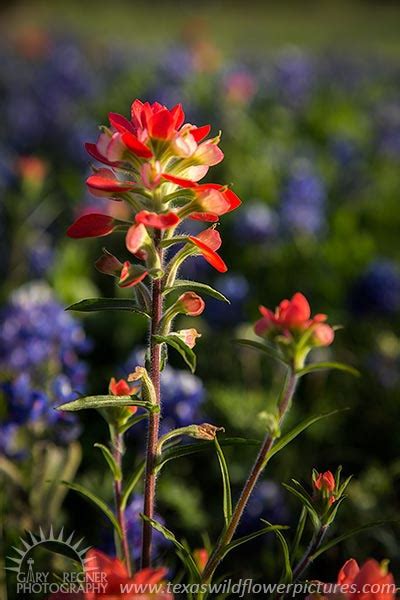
[[292, 327], [293, 317], [154, 162], [324, 485], [122, 388]]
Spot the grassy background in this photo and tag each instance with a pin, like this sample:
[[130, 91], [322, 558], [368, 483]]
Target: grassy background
[[235, 26]]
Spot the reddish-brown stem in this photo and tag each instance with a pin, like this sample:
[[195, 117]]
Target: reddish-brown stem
[[250, 484], [122, 544], [154, 418]]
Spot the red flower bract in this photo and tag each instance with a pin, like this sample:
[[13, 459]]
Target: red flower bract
[[113, 574], [191, 304], [325, 481], [213, 199], [104, 183], [91, 225], [151, 219], [207, 242], [370, 582]]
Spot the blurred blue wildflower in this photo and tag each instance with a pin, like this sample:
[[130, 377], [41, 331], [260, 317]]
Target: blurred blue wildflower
[[294, 75], [134, 530], [39, 359], [378, 289], [236, 289], [255, 223], [267, 502], [303, 197]]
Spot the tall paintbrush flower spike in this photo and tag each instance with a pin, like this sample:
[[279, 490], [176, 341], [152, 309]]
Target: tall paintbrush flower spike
[[153, 162]]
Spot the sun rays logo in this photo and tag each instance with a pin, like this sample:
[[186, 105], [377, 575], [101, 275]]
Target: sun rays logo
[[29, 580]]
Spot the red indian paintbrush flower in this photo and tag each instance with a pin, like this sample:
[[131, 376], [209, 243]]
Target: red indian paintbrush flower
[[154, 161], [147, 584], [324, 484], [293, 317], [371, 581], [121, 387]]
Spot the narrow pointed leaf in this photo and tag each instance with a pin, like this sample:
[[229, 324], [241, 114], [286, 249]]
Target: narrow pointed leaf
[[299, 534], [227, 494], [324, 366], [286, 439], [185, 285], [107, 401], [188, 449], [287, 569], [182, 551], [98, 502], [131, 483], [132, 421], [96, 304], [251, 536], [347, 535], [269, 350], [115, 469], [178, 344], [304, 500]]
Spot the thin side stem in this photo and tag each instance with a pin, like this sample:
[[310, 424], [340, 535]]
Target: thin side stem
[[122, 544], [306, 560], [154, 418], [250, 484]]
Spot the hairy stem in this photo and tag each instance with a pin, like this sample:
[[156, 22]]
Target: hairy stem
[[121, 544], [251, 482], [306, 560], [154, 418]]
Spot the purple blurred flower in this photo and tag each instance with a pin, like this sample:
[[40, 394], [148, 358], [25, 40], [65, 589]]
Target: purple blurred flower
[[378, 289], [267, 502], [256, 223], [236, 289], [303, 200], [39, 355]]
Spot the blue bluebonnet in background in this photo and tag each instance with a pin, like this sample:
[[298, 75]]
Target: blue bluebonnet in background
[[303, 196], [40, 365], [377, 290]]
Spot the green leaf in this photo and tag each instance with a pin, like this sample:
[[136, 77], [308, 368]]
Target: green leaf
[[133, 420], [178, 344], [286, 439], [267, 349], [299, 533], [96, 501], [115, 468], [227, 497], [251, 536], [188, 449], [107, 401], [131, 484], [96, 304], [305, 502], [323, 366], [347, 535], [287, 569], [182, 551], [185, 285]]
